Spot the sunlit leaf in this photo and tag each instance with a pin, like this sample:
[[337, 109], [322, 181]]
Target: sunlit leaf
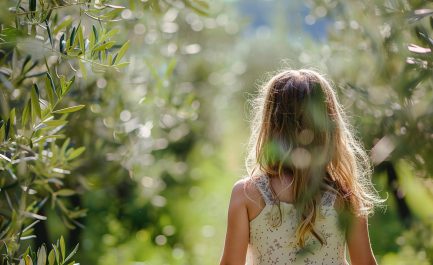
[[55, 123], [35, 215], [2, 134], [49, 91], [62, 247], [83, 69], [65, 192], [121, 65], [77, 152], [72, 37], [11, 129], [50, 37], [36, 108], [65, 23], [421, 13], [28, 260], [114, 6], [95, 33], [56, 252], [26, 113], [42, 255], [7, 129], [81, 41], [104, 46], [109, 34], [51, 257], [121, 52], [418, 49], [62, 43], [30, 226], [72, 253], [65, 84], [46, 137], [70, 109]]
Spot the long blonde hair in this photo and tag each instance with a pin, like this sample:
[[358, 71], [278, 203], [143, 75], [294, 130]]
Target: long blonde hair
[[299, 128]]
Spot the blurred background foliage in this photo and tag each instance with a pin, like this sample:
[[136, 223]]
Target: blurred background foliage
[[123, 123]]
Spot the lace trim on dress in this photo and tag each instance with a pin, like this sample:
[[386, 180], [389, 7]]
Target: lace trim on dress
[[262, 184]]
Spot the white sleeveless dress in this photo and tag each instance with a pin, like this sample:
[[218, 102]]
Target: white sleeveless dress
[[277, 245]]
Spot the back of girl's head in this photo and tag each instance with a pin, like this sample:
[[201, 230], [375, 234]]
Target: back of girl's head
[[298, 114], [300, 129]]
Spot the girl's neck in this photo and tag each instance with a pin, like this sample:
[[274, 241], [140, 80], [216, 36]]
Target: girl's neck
[[281, 188]]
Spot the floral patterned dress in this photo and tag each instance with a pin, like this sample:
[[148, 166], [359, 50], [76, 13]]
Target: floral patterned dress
[[276, 244]]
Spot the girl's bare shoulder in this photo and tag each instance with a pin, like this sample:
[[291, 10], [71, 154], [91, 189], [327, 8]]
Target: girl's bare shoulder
[[246, 191]]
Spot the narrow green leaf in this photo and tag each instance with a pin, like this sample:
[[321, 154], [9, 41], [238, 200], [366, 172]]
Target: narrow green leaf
[[36, 87], [62, 248], [64, 146], [83, 69], [66, 85], [7, 129], [65, 192], [55, 123], [114, 59], [12, 123], [50, 37], [66, 221], [25, 62], [81, 41], [49, 91], [108, 35], [56, 252], [26, 114], [72, 37], [62, 43], [95, 33], [28, 260], [30, 225], [36, 108], [65, 23], [69, 109], [114, 6], [121, 65], [92, 41], [27, 251], [53, 136], [51, 258], [104, 46], [110, 15], [77, 152], [53, 87], [72, 253], [42, 255], [48, 15], [110, 59], [121, 52], [2, 134], [35, 216]]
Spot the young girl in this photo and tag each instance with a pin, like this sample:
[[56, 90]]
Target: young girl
[[309, 192]]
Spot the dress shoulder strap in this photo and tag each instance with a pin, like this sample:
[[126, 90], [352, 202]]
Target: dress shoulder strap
[[262, 184], [328, 199]]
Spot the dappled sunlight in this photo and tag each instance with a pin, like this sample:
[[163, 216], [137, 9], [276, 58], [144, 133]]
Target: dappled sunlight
[[124, 124]]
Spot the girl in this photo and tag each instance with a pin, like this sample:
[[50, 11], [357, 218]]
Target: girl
[[309, 192]]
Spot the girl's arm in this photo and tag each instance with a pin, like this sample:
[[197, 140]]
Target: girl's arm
[[237, 236], [358, 242]]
